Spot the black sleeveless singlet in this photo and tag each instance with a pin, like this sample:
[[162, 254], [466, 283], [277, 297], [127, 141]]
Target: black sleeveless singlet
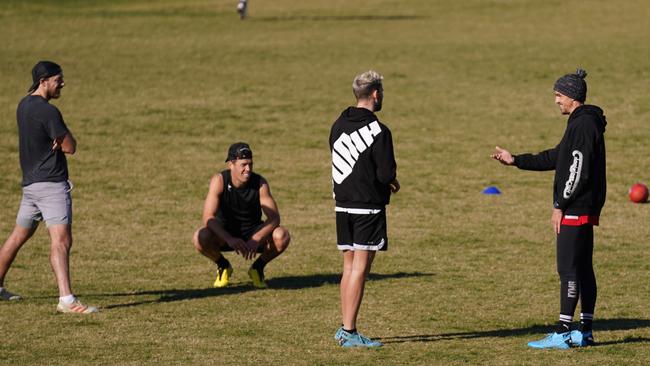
[[239, 210]]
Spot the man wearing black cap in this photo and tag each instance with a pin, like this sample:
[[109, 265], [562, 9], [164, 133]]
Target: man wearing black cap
[[578, 197], [44, 139], [232, 218]]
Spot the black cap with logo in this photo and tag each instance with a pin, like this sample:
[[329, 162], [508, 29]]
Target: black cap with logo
[[239, 150]]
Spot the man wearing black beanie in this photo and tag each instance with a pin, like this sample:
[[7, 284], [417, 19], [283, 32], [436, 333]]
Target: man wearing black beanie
[[578, 197]]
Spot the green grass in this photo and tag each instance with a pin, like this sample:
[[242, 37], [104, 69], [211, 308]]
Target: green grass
[[156, 91]]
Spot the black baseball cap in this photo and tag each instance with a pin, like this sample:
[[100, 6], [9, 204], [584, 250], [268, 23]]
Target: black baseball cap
[[43, 70], [239, 150]]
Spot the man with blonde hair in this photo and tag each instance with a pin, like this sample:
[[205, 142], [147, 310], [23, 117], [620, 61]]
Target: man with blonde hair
[[364, 174]]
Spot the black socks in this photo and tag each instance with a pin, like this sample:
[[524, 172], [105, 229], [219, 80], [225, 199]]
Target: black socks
[[222, 262], [259, 264], [563, 327]]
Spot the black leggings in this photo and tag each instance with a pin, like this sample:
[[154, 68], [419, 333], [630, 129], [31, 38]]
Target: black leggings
[[575, 246]]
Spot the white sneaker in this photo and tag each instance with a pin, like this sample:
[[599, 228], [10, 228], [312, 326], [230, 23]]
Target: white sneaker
[[8, 296], [241, 9], [76, 307]]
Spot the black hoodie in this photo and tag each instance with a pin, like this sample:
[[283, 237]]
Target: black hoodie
[[580, 183], [363, 161]]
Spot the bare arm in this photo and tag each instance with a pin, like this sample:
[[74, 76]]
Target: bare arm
[[270, 209], [556, 219], [65, 143], [211, 203], [69, 144], [209, 211]]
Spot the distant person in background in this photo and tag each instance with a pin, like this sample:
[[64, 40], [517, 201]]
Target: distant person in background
[[578, 197], [364, 175], [44, 140], [232, 219], [242, 9]]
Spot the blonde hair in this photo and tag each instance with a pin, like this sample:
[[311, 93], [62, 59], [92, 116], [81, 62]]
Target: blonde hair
[[365, 83]]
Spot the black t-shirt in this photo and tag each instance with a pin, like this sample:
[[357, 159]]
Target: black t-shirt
[[239, 209], [39, 123]]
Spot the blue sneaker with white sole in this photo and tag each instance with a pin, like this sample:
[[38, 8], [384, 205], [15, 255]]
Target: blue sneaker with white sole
[[357, 340], [339, 333], [553, 341], [582, 339]]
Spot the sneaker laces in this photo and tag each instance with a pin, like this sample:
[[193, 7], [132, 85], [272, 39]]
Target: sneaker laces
[[365, 339]]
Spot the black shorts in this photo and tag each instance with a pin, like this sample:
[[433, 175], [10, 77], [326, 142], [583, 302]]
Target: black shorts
[[245, 236], [361, 231]]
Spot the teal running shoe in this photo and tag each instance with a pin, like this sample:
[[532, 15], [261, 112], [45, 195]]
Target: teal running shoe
[[339, 334], [582, 339], [553, 341], [357, 340]]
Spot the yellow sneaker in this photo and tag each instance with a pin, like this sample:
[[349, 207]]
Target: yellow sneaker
[[223, 277], [257, 277], [76, 307]]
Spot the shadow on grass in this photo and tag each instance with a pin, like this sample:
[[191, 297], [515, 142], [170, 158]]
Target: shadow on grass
[[172, 295], [601, 324], [339, 18], [286, 283], [317, 280]]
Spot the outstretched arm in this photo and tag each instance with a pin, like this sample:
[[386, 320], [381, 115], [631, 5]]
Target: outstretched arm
[[503, 156], [544, 160]]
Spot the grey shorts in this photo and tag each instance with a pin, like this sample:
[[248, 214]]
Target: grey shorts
[[49, 201]]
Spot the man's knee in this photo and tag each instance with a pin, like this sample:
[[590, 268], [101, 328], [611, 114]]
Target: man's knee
[[61, 237], [568, 274], [202, 238], [281, 238]]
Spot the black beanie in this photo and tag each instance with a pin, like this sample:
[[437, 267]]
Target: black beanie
[[573, 85]]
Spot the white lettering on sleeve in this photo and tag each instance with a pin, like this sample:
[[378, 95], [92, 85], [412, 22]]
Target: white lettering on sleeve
[[574, 174]]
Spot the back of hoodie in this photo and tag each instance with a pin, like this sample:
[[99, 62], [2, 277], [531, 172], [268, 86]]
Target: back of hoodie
[[363, 160]]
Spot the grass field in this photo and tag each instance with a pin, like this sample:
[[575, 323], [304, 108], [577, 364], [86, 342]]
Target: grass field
[[157, 90]]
